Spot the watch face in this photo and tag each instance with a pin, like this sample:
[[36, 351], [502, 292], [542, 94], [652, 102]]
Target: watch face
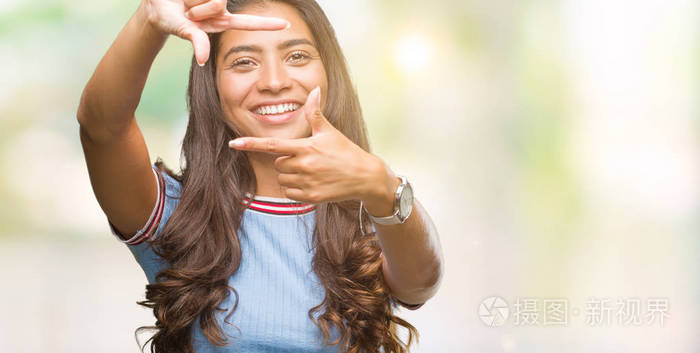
[[406, 202]]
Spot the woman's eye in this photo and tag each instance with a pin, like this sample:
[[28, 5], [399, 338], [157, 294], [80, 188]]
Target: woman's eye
[[242, 62], [298, 57]]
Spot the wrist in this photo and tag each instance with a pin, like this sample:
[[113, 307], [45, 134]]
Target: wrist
[[148, 22], [379, 200]]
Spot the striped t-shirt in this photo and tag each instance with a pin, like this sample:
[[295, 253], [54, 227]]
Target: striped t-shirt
[[275, 282]]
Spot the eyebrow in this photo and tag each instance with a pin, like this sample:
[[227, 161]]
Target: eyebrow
[[257, 49]]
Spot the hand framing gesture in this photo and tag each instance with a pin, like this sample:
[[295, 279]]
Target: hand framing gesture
[[324, 167], [193, 19]]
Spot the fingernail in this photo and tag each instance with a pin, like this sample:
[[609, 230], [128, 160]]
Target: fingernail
[[318, 95], [289, 24], [188, 15], [235, 143]]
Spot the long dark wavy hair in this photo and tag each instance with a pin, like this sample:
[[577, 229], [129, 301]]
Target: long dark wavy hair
[[200, 240]]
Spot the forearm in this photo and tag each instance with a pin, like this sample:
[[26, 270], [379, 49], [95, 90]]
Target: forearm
[[413, 262], [112, 94]]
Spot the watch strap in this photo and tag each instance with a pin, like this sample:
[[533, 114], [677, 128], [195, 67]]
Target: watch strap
[[388, 220], [394, 218]]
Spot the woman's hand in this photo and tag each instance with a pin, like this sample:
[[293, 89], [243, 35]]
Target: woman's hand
[[193, 19], [326, 166]]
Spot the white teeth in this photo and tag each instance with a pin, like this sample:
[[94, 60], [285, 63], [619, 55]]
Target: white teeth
[[277, 109]]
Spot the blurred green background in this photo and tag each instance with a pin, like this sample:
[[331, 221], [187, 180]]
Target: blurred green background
[[554, 143]]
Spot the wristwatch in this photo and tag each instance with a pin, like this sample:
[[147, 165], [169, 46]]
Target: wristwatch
[[403, 204]]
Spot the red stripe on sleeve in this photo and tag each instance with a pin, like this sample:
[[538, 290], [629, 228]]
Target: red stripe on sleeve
[[156, 220]]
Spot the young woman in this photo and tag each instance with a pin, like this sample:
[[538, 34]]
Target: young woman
[[283, 232]]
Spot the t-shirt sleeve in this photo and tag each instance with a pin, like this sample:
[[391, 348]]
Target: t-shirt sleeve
[[409, 306], [169, 190], [148, 229]]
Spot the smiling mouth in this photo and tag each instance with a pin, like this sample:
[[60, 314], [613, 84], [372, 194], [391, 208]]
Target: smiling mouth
[[276, 109]]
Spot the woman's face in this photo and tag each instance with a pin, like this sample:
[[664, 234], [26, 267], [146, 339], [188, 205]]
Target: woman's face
[[264, 77]]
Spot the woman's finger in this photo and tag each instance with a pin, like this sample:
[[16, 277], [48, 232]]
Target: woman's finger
[[209, 9], [269, 145], [284, 165], [200, 42], [291, 180], [193, 3], [297, 195], [226, 22], [255, 23], [213, 25]]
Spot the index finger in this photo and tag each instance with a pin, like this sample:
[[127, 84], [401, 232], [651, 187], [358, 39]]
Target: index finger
[[267, 145], [255, 23]]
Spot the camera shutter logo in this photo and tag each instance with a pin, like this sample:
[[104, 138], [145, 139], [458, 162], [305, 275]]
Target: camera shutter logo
[[493, 311]]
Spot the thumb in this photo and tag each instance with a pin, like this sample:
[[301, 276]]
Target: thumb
[[312, 110], [200, 42]]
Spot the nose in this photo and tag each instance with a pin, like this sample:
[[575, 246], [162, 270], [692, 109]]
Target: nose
[[274, 78]]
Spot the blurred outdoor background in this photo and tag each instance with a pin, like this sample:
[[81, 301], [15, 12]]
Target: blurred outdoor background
[[556, 145]]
